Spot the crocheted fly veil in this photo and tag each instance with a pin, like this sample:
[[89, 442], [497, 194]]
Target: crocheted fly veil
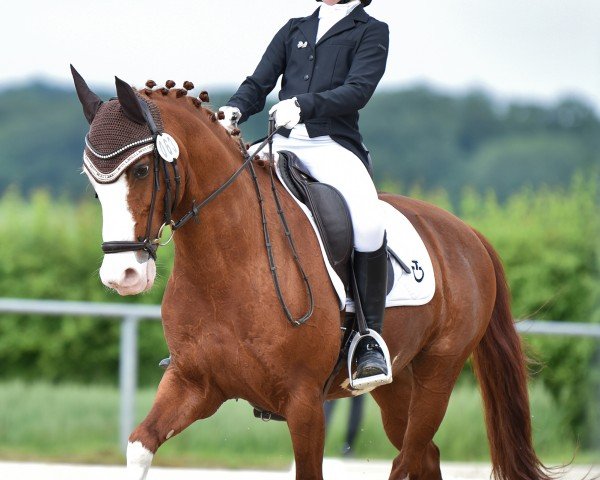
[[114, 141]]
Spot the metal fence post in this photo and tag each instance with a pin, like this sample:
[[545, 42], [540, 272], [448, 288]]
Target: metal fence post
[[127, 378]]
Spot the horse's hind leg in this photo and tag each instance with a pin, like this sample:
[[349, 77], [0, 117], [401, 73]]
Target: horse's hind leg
[[394, 401], [306, 421], [178, 404], [434, 375]]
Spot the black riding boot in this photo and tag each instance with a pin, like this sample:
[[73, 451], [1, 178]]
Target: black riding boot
[[370, 269]]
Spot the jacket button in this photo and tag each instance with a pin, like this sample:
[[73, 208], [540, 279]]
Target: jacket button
[[311, 57], [306, 77]]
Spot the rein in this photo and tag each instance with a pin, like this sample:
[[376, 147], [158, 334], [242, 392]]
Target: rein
[[304, 318], [195, 210]]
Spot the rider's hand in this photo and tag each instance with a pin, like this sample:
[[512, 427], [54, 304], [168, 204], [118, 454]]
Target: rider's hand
[[287, 113], [232, 117]]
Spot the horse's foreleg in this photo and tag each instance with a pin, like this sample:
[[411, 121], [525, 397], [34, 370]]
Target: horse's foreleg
[[178, 404], [306, 422]]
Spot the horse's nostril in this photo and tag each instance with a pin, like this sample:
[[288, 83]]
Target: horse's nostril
[[130, 276]]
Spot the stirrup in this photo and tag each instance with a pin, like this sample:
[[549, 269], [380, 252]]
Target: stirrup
[[375, 380]]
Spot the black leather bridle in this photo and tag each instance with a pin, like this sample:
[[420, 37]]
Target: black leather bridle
[[148, 243]]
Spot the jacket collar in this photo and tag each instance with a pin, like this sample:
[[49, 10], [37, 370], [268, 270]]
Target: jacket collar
[[309, 25]]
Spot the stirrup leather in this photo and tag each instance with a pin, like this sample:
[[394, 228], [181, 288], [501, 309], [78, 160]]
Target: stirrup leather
[[375, 380]]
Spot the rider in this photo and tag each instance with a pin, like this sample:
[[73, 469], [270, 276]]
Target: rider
[[331, 62]]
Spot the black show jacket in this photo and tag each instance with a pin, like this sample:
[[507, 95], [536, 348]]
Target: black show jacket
[[332, 79]]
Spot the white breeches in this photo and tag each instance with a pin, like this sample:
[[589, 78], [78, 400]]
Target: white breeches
[[330, 163]]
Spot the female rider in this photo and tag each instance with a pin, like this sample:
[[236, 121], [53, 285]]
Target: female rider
[[331, 62]]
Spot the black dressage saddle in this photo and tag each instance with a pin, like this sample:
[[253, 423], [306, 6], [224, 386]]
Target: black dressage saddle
[[331, 215], [328, 207]]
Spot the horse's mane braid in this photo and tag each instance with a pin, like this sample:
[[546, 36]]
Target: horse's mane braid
[[179, 92], [202, 98]]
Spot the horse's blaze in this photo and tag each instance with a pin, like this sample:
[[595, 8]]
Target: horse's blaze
[[123, 272]]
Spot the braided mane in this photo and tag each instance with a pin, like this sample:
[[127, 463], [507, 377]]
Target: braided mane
[[201, 103]]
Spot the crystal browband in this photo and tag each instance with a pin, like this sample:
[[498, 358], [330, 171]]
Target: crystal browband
[[112, 176], [120, 150]]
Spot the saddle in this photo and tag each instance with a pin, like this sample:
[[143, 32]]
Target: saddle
[[331, 215], [328, 207]]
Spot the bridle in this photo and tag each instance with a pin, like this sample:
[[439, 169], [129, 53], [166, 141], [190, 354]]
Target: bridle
[[148, 243], [165, 150]]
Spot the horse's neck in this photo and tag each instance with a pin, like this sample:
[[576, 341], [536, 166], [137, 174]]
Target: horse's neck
[[224, 232]]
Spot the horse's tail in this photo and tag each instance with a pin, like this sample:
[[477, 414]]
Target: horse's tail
[[501, 368]]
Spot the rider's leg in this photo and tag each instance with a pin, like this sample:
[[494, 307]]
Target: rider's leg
[[370, 269], [330, 163]]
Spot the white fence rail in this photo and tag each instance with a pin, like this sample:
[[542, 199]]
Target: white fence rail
[[131, 315]]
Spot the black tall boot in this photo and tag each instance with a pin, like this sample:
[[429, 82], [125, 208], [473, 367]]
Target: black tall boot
[[370, 269]]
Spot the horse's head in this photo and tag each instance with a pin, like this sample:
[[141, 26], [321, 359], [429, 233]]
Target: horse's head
[[132, 164]]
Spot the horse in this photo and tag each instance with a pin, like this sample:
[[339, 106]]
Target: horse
[[225, 327]]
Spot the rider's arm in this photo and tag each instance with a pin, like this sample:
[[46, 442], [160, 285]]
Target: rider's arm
[[365, 72], [251, 96]]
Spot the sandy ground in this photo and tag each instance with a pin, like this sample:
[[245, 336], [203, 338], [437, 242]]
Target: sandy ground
[[333, 469]]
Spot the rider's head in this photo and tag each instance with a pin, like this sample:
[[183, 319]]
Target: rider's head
[[333, 2]]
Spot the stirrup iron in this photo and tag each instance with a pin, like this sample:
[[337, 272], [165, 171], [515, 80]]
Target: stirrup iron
[[375, 380]]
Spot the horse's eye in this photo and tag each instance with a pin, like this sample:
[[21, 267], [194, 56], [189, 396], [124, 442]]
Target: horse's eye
[[141, 171]]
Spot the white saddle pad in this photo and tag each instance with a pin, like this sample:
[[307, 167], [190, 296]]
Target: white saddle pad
[[414, 288]]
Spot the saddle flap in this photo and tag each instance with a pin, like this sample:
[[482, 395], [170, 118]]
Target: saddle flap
[[336, 225], [284, 166], [328, 207]]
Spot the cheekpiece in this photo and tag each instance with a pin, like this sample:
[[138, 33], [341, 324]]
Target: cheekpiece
[[114, 142]]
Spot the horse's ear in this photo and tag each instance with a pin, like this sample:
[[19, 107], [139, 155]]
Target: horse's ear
[[89, 100], [129, 101]]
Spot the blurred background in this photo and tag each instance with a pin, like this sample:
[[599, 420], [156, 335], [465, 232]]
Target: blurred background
[[490, 110]]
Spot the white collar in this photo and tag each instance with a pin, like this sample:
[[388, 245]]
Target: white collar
[[339, 10]]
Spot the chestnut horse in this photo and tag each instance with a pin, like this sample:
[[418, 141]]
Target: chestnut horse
[[228, 335]]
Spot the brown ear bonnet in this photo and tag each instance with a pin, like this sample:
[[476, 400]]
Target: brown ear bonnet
[[115, 141], [121, 130]]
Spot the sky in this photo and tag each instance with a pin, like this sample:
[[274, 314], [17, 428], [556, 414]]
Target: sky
[[525, 49]]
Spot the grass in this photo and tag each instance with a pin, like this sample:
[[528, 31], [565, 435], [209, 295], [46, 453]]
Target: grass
[[74, 423]]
